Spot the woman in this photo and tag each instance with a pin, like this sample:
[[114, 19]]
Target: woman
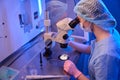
[[104, 61]]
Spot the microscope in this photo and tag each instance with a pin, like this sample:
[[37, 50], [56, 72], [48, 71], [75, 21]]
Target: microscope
[[65, 29]]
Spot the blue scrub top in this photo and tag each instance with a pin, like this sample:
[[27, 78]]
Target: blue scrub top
[[104, 62]]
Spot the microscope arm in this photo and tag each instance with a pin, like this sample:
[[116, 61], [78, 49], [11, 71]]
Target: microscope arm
[[65, 29]]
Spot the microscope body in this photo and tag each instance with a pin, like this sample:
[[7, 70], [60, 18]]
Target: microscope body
[[65, 29], [63, 34]]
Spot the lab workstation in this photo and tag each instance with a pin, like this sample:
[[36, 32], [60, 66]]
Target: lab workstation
[[59, 40]]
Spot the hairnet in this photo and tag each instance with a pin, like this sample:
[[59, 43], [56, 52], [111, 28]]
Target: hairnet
[[96, 12], [56, 9]]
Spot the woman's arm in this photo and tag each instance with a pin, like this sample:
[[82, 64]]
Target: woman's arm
[[80, 47], [71, 69], [82, 77]]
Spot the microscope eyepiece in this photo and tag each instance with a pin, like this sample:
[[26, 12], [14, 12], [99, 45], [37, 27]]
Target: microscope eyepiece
[[74, 22]]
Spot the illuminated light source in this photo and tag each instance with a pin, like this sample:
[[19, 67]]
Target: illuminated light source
[[40, 7]]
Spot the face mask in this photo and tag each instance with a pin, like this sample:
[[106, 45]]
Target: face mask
[[87, 29], [81, 26]]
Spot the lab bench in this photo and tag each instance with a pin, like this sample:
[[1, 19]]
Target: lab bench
[[50, 68]]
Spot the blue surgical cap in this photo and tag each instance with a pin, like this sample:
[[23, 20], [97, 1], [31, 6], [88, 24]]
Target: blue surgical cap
[[95, 12]]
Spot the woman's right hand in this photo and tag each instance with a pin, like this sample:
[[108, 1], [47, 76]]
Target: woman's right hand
[[71, 69]]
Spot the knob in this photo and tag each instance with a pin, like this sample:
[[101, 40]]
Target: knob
[[65, 36]]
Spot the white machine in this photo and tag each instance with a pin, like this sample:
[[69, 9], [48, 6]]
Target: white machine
[[62, 36], [65, 28]]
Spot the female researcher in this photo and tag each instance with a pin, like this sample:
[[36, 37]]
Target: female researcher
[[104, 61]]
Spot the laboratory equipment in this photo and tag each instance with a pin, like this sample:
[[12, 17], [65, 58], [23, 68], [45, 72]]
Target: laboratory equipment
[[65, 29], [63, 57]]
